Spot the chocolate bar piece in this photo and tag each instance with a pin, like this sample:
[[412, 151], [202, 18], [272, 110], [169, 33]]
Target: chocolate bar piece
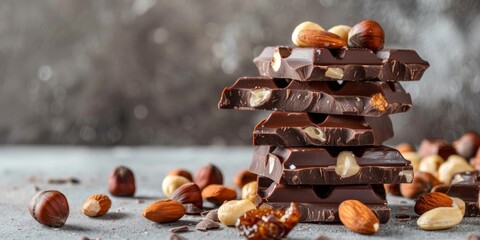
[[467, 190], [315, 129], [351, 64], [436, 146], [325, 198], [366, 98], [331, 166]]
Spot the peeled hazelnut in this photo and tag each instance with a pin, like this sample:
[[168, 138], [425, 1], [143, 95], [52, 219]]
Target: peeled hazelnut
[[243, 177], [347, 165], [414, 159], [430, 164], [454, 164], [164, 211], [249, 191], [217, 194], [405, 147], [188, 193], [341, 30], [181, 172], [304, 26], [366, 34], [230, 211], [436, 146], [171, 183], [468, 144], [121, 182], [49, 208], [422, 183], [96, 205], [207, 175]]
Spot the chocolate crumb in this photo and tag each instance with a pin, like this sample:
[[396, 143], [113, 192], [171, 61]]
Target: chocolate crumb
[[403, 217], [176, 237], [207, 224], [192, 209], [71, 180], [178, 229], [213, 215]]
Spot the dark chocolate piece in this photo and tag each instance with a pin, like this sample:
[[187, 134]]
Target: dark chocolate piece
[[207, 224], [299, 166], [212, 215], [353, 64], [179, 229], [436, 146], [314, 129], [191, 209], [367, 98], [469, 192]]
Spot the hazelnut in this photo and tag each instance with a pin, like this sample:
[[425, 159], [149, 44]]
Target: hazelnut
[[454, 164], [49, 208], [405, 147], [188, 193], [181, 172], [96, 205], [366, 34], [171, 183], [217, 194], [436, 146], [207, 175], [164, 211], [230, 211], [422, 183], [467, 144], [347, 165], [304, 26], [249, 191], [341, 30], [430, 164], [243, 177], [121, 182]]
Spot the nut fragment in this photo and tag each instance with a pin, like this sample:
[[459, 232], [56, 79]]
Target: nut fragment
[[341, 30], [121, 182], [217, 194], [315, 133], [454, 164], [430, 201], [276, 60], [259, 96], [347, 165], [206, 175], [440, 218], [163, 211], [408, 174], [96, 205], [171, 183], [379, 102], [422, 183], [230, 211], [188, 193], [181, 172], [49, 208], [358, 218], [243, 177], [304, 26], [334, 72], [430, 164], [249, 191]]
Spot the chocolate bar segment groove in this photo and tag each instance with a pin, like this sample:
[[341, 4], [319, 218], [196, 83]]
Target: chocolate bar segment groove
[[309, 129], [351, 64], [367, 98]]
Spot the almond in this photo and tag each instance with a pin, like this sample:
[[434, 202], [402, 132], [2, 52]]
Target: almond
[[96, 205], [217, 194], [358, 218], [320, 39], [432, 200], [440, 218], [188, 193], [163, 211]]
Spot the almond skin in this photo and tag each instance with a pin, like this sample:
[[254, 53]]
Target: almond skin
[[96, 205], [164, 211], [358, 218], [320, 39], [432, 200], [188, 193], [217, 194]]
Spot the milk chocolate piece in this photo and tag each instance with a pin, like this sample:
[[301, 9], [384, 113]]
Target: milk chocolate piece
[[436, 146], [366, 98], [319, 203], [352, 64], [318, 166], [469, 191], [315, 129]]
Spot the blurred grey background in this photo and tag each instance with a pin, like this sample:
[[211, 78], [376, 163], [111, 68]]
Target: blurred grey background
[[151, 72]]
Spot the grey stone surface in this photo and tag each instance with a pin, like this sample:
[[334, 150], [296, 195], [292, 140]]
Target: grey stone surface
[[24, 168]]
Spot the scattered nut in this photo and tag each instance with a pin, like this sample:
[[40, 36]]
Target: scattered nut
[[217, 194], [467, 144], [164, 211], [358, 218], [206, 175], [259, 96], [181, 172], [121, 182], [243, 177], [347, 165], [320, 39], [249, 191], [341, 30], [334, 72], [440, 218], [315, 133], [188, 193], [405, 148], [414, 159], [454, 164], [230, 211], [422, 183], [430, 164], [393, 189], [49, 208], [366, 34], [304, 26], [96, 205], [171, 183], [430, 201]]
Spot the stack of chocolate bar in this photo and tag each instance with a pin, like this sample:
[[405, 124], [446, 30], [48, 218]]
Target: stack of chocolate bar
[[323, 142]]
